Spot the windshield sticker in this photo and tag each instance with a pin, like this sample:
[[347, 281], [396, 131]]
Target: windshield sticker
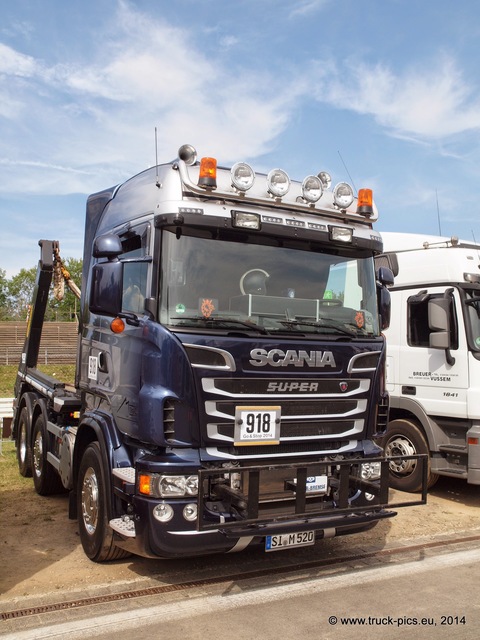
[[207, 307], [360, 319], [180, 308]]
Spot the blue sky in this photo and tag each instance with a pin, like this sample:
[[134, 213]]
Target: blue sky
[[386, 92]]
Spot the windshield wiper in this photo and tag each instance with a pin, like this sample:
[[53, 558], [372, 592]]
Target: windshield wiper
[[221, 320], [321, 324]]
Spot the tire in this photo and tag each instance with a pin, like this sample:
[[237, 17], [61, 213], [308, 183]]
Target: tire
[[93, 493], [45, 478], [405, 438], [24, 445]]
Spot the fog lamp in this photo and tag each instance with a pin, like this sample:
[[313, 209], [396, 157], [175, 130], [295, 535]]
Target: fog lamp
[[190, 512], [163, 512]]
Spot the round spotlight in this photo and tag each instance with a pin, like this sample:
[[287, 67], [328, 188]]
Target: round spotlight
[[326, 179], [312, 189], [278, 183], [343, 195], [243, 176]]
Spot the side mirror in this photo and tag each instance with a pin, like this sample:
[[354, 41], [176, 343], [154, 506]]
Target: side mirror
[[106, 288], [439, 323], [440, 326], [385, 276], [384, 307]]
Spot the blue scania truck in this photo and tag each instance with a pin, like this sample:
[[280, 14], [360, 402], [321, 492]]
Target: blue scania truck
[[230, 375]]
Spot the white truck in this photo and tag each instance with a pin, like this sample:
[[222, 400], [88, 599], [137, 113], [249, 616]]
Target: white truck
[[433, 358]]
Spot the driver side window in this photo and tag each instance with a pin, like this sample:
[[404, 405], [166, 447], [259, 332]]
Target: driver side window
[[135, 271]]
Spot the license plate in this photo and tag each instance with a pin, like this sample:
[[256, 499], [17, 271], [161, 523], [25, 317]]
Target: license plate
[[289, 540], [317, 484], [257, 425]]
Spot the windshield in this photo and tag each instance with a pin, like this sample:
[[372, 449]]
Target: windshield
[[215, 284]]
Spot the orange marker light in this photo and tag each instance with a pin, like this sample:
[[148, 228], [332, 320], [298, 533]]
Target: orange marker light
[[144, 484], [365, 202], [208, 173], [117, 325]]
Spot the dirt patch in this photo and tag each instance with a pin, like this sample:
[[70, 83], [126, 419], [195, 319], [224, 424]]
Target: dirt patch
[[41, 554]]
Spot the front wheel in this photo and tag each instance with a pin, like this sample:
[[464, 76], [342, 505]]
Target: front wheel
[[92, 507], [404, 438]]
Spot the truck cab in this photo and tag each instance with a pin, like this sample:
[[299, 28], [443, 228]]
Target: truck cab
[[433, 354]]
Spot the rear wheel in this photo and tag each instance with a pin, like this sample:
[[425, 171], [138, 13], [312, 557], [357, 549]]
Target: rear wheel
[[45, 478], [24, 449], [92, 507], [404, 438]]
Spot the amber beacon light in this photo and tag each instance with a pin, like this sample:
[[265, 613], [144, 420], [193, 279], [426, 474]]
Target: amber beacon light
[[208, 173], [365, 202]]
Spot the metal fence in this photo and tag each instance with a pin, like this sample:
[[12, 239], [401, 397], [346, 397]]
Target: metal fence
[[58, 344]]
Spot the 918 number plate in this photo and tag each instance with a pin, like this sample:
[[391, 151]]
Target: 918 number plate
[[289, 540], [256, 425]]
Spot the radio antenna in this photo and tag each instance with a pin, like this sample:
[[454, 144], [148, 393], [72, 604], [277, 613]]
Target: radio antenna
[[348, 172], [156, 160], [438, 214]]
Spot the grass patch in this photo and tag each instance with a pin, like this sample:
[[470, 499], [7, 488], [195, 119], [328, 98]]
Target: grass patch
[[8, 375], [10, 479]]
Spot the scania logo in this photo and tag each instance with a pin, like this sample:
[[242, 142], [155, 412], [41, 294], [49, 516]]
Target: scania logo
[[279, 358]]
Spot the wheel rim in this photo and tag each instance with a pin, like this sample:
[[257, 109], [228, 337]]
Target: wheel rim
[[38, 454], [22, 443], [401, 446], [90, 501]]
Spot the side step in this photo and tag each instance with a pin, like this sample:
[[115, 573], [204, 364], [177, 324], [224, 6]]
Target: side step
[[124, 526]]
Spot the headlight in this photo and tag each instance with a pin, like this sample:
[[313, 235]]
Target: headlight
[[370, 470], [278, 183], [163, 486]]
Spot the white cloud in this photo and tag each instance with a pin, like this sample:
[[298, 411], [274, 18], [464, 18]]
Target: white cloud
[[92, 125], [14, 63], [306, 7], [429, 103]]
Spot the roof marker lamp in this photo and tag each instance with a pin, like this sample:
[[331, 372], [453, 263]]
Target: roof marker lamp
[[365, 203], [340, 234], [207, 177], [343, 195], [312, 189], [244, 220], [243, 176], [278, 183]]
